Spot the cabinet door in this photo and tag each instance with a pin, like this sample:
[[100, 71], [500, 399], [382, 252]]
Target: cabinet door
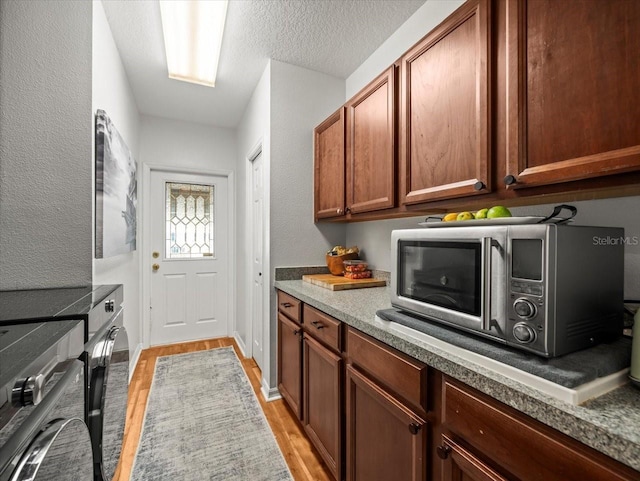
[[445, 118], [385, 439], [329, 167], [290, 363], [371, 127], [322, 403], [461, 465], [572, 90]]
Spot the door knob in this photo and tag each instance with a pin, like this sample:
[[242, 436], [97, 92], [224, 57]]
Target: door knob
[[155, 267]]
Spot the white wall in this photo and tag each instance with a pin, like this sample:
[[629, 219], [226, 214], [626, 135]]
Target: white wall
[[300, 100], [45, 144], [174, 143], [112, 93], [254, 129]]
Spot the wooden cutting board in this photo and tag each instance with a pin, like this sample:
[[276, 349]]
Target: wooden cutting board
[[340, 283]]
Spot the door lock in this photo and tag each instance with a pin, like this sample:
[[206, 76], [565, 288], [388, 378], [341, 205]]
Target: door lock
[[155, 254], [155, 267]]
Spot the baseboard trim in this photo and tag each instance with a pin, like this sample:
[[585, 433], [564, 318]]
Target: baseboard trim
[[133, 360], [269, 393], [241, 345]]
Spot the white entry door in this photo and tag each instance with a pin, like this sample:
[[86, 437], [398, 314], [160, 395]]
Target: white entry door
[[257, 295], [189, 257]]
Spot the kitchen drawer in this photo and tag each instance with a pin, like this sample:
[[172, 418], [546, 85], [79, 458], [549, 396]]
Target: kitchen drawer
[[521, 445], [397, 371], [322, 327], [290, 306]]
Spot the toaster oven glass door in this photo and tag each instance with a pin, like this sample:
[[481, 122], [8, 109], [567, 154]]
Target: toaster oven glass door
[[446, 274]]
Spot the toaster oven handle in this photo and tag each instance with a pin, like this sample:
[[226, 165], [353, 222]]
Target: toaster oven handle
[[487, 243]]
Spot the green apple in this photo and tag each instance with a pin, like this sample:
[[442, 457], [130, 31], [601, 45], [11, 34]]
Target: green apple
[[498, 211]]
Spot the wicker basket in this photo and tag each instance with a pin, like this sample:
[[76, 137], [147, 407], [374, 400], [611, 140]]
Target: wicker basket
[[334, 263]]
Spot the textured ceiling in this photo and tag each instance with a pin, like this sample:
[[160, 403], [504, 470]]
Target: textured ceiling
[[329, 36]]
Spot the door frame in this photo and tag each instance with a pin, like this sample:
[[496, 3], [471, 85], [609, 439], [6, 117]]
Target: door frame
[[146, 260]]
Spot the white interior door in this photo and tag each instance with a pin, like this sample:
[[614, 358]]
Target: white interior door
[[257, 296], [189, 257]]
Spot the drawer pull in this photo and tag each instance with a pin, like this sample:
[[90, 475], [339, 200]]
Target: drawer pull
[[443, 451], [286, 304], [317, 324], [414, 428]]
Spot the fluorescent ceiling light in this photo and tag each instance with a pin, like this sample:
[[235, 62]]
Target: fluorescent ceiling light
[[193, 38]]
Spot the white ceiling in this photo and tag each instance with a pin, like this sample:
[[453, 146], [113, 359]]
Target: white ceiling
[[329, 36]]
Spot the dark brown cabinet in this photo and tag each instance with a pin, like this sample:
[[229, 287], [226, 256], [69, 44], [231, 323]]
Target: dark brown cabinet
[[323, 402], [519, 446], [506, 102], [376, 414], [371, 149], [385, 438], [445, 124], [289, 363], [329, 167], [290, 351], [571, 88], [386, 414]]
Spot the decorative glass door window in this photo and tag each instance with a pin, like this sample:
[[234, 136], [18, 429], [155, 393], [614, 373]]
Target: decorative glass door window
[[189, 220]]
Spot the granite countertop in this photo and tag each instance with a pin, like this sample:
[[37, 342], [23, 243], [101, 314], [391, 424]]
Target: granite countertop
[[609, 423]]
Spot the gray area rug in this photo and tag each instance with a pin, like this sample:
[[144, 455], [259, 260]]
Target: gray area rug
[[203, 422]]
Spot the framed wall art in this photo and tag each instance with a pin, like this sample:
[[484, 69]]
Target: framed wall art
[[116, 191]]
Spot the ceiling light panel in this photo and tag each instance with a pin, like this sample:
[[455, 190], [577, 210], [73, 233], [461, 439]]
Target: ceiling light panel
[[193, 38]]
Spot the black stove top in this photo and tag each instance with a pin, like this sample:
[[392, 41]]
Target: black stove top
[[46, 304]]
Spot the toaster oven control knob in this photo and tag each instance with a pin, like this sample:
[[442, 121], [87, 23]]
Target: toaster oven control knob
[[524, 333], [28, 392], [524, 308]]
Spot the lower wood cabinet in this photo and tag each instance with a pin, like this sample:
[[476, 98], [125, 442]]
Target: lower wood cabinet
[[514, 444], [322, 418], [290, 363], [385, 439], [376, 414]]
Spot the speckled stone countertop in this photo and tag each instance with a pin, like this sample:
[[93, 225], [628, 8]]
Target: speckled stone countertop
[[609, 423]]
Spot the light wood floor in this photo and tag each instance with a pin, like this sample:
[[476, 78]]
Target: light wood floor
[[304, 462]]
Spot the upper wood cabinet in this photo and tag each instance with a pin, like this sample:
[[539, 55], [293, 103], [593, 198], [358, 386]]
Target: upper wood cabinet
[[371, 149], [445, 115], [573, 77], [329, 167]]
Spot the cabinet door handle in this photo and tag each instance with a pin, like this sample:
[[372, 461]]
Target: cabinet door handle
[[414, 428], [443, 451], [479, 185], [317, 324], [286, 304], [296, 332], [510, 179]]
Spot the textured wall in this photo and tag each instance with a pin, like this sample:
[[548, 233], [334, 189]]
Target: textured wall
[[300, 100], [45, 144], [112, 93], [174, 143]]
